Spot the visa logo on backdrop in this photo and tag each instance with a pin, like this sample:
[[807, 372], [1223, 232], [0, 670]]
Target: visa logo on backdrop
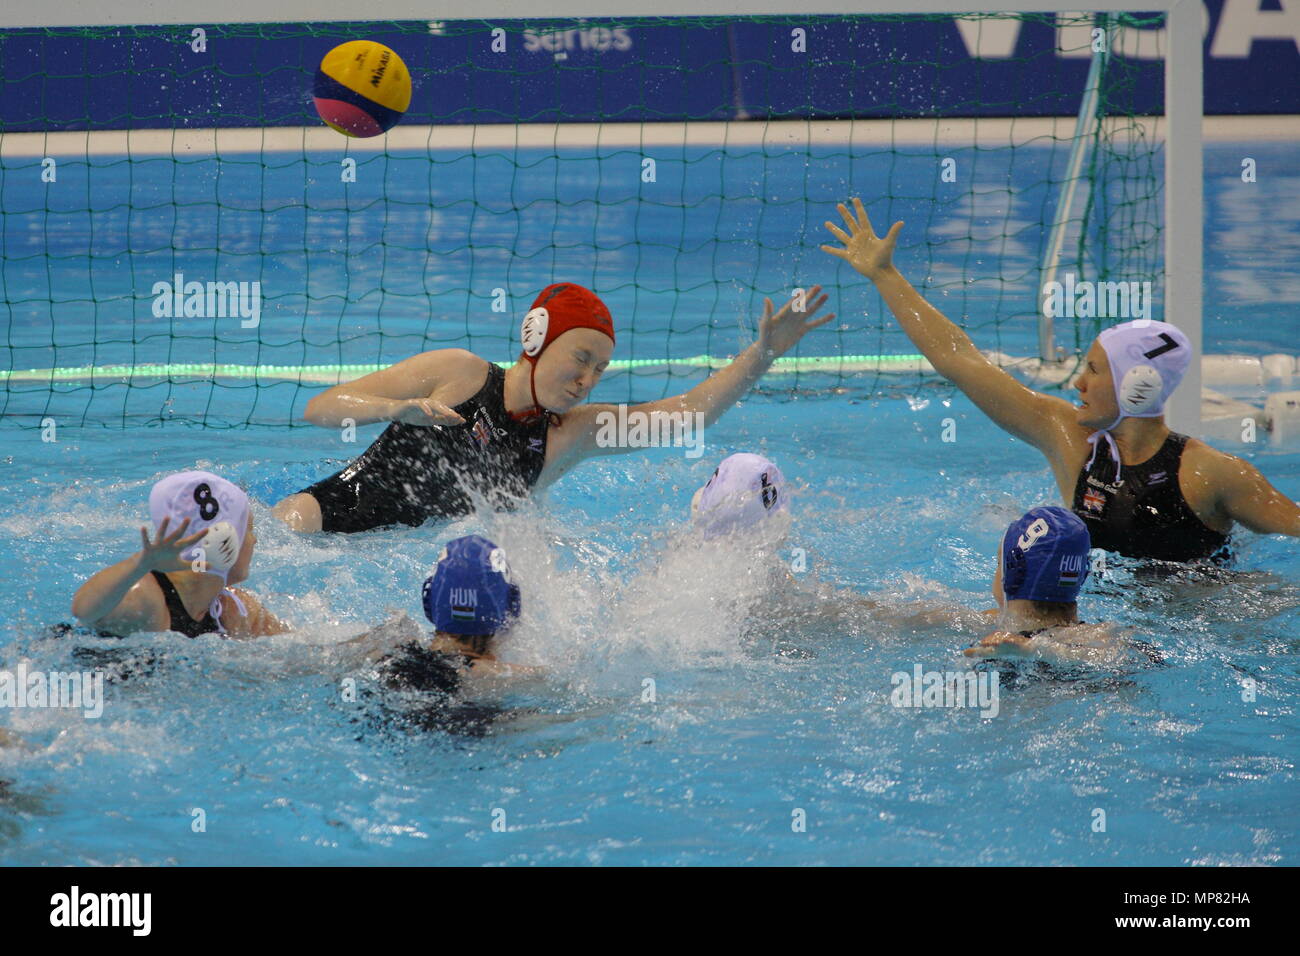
[[1241, 23]]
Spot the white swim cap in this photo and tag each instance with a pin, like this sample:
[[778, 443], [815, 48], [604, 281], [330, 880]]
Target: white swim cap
[[743, 492], [1147, 361], [209, 502]]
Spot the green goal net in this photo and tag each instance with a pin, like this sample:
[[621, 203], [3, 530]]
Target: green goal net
[[182, 238]]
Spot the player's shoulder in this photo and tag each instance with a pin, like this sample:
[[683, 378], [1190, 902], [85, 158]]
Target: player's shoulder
[[1215, 464], [574, 439], [459, 373], [1068, 441], [583, 421], [459, 361], [251, 603]]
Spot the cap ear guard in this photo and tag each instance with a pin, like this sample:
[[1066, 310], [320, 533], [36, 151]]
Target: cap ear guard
[[1013, 573], [769, 491], [533, 330], [426, 598], [219, 548], [1141, 390]]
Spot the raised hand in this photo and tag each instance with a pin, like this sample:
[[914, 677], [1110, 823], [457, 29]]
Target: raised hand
[[426, 412], [164, 552], [863, 249], [778, 333]]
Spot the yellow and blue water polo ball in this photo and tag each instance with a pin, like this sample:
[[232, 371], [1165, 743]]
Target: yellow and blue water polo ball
[[362, 88]]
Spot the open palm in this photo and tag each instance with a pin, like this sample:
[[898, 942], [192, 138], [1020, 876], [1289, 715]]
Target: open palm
[[863, 249], [778, 332]]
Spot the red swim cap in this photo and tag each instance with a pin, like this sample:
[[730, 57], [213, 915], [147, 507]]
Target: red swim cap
[[559, 308]]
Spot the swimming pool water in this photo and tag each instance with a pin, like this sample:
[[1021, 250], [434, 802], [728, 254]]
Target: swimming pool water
[[761, 707], [740, 735]]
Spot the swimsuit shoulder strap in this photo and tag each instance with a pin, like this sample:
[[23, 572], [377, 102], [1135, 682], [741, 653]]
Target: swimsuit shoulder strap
[[494, 386], [1174, 446], [1166, 459], [492, 390], [178, 616]]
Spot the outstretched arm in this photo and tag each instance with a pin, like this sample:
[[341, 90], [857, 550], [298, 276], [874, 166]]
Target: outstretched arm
[[1039, 419], [777, 333]]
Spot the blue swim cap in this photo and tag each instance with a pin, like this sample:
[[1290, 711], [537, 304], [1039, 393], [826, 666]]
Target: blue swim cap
[[1045, 556], [470, 591]]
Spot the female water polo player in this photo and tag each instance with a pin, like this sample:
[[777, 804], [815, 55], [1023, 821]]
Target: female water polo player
[[1043, 563], [746, 493], [1143, 490], [179, 582], [463, 428], [472, 602]]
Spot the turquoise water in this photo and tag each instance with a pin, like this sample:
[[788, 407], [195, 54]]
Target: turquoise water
[[763, 705]]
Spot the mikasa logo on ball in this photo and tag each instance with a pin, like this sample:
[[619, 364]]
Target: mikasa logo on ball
[[378, 74]]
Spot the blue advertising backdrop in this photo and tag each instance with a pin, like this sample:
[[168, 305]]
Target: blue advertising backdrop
[[638, 71]]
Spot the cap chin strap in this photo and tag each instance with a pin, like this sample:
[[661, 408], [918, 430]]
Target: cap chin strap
[[215, 607], [1095, 441], [537, 411], [1095, 438]]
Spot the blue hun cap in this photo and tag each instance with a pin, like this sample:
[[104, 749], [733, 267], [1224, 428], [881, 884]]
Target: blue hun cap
[[1045, 556], [470, 591]]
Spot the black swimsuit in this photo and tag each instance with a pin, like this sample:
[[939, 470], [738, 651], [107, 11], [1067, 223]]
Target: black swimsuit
[[431, 681], [181, 622], [416, 667], [1144, 514], [413, 473]]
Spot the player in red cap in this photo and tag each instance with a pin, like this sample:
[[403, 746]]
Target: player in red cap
[[465, 430]]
